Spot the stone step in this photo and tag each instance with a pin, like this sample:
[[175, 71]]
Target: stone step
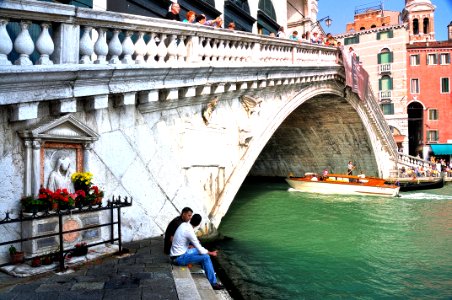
[[192, 284]]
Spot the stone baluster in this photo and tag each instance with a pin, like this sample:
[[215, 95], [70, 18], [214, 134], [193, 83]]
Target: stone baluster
[[242, 51], [238, 50], [45, 45], [101, 47], [140, 49], [221, 50], [161, 49], [181, 49], [172, 48], [128, 49], [115, 48], [200, 49], [151, 49], [265, 56], [227, 50], [86, 46], [6, 45], [24, 45], [215, 46], [208, 50]]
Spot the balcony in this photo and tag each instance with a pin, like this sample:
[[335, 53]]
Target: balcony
[[384, 69], [385, 95]]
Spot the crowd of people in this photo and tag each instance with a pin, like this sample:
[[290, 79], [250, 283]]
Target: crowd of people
[[194, 18], [184, 248], [433, 170], [307, 37]]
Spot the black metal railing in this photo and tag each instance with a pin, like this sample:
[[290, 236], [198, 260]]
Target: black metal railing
[[112, 205]]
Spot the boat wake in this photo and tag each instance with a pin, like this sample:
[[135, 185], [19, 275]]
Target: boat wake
[[425, 196]]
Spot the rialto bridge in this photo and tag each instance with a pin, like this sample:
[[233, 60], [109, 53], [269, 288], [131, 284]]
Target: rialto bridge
[[171, 114]]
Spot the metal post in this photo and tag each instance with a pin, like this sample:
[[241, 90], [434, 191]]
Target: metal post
[[119, 230], [112, 226], [60, 233]]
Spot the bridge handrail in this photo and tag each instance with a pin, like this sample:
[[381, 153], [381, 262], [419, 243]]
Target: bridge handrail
[[413, 161], [81, 36]]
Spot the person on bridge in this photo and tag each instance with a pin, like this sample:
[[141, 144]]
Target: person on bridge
[[350, 168], [181, 254], [173, 14], [184, 217]]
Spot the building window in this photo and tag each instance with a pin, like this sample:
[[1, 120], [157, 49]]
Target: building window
[[432, 59], [445, 88], [385, 83], [415, 60], [385, 57], [432, 136], [414, 86], [384, 35], [433, 114], [351, 40], [387, 108], [415, 26], [444, 58]]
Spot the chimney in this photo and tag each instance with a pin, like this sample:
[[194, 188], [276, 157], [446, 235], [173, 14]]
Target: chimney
[[449, 30]]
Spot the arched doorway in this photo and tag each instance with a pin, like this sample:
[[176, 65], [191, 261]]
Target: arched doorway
[[415, 121]]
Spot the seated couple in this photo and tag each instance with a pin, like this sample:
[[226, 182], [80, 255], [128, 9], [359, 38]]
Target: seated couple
[[186, 248]]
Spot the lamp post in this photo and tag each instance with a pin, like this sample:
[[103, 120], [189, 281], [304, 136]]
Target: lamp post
[[327, 20]]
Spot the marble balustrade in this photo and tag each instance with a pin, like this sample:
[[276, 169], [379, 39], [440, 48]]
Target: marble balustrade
[[69, 35]]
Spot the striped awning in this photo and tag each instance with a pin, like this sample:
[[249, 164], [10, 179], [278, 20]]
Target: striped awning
[[442, 149]]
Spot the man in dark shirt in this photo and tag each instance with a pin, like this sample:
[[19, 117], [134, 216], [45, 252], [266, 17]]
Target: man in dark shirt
[[185, 216], [173, 14]]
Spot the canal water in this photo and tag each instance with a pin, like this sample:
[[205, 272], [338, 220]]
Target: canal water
[[293, 245]]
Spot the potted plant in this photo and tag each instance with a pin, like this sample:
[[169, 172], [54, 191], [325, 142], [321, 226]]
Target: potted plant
[[33, 205], [87, 193], [36, 262], [64, 199], [17, 257], [80, 249]]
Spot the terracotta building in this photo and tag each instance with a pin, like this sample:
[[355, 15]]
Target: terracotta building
[[429, 74]]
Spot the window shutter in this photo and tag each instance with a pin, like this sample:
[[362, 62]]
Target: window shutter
[[418, 59], [391, 57], [447, 58], [390, 34], [379, 84], [379, 58], [390, 83], [378, 35]]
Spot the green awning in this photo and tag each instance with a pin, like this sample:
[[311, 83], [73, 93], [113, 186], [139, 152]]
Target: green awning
[[442, 149]]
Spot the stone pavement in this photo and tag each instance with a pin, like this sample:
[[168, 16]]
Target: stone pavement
[[144, 273]]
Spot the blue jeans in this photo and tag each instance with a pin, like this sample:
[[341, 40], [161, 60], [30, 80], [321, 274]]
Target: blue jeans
[[193, 256]]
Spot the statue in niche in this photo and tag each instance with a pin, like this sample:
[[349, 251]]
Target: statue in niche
[[60, 177]]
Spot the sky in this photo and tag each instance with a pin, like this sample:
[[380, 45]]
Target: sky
[[341, 12]]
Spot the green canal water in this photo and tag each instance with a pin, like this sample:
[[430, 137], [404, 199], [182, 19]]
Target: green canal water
[[292, 245]]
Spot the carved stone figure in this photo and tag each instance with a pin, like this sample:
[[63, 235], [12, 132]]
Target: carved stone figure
[[250, 104], [208, 110], [60, 177]]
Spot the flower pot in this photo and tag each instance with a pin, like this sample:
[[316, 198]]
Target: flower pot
[[17, 258], [80, 251], [47, 260], [36, 262]]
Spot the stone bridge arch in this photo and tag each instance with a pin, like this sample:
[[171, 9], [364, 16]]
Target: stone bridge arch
[[319, 125]]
